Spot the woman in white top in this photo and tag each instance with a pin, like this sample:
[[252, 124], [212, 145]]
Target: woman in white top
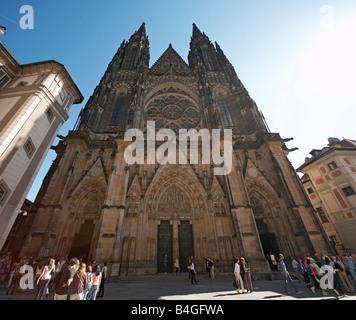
[[238, 278], [44, 280]]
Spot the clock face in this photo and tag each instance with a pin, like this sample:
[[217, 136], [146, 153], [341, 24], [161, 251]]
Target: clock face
[[173, 112]]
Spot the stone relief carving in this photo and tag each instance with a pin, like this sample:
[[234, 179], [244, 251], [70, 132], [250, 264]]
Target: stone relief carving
[[174, 200]]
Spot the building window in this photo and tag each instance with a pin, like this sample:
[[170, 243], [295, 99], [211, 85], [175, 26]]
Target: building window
[[225, 112], [131, 60], [4, 79], [29, 147], [332, 165], [208, 59], [117, 111], [49, 114], [62, 93], [322, 214], [334, 240], [348, 191], [310, 190], [4, 191]]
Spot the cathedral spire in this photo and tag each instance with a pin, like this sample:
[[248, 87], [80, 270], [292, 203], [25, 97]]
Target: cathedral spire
[[141, 31], [202, 51], [196, 31]]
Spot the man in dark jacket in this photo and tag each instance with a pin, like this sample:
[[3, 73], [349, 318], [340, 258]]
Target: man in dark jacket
[[64, 279]]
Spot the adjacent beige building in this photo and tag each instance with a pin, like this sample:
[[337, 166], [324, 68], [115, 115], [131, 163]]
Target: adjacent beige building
[[35, 100], [330, 182]]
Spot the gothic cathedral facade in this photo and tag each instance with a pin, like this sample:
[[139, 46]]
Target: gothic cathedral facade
[[93, 203]]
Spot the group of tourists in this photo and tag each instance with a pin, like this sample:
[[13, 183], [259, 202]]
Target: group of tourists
[[313, 271], [191, 267], [61, 279], [73, 279]]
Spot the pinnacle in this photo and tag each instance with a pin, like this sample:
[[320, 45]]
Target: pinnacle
[[142, 29], [196, 31]]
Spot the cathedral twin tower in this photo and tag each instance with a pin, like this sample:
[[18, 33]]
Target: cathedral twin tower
[[93, 204]]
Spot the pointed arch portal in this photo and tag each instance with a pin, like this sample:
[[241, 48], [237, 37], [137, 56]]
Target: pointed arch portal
[[175, 201], [174, 236]]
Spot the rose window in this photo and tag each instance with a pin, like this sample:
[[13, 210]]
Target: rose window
[[173, 112]]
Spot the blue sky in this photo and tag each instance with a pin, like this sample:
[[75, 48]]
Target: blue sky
[[297, 65]]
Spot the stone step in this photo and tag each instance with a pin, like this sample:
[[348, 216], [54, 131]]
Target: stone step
[[183, 277], [169, 278]]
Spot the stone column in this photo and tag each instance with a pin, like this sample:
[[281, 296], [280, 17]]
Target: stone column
[[109, 241]]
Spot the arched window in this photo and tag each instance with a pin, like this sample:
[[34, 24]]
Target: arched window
[[131, 58], [209, 61], [225, 112], [117, 111]]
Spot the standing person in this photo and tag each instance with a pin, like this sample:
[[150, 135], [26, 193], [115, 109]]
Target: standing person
[[192, 271], [337, 282], [76, 267], [303, 271], [95, 284], [207, 267], [165, 263], [4, 267], [351, 269], [89, 281], [315, 276], [342, 274], [102, 282], [237, 272], [245, 271], [176, 265], [38, 272], [44, 279], [78, 283], [60, 263], [12, 276], [64, 280], [312, 272], [212, 268], [286, 275], [295, 266], [188, 266]]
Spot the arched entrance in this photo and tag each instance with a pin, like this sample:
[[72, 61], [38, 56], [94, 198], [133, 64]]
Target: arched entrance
[[266, 228], [175, 232], [82, 241], [84, 226]]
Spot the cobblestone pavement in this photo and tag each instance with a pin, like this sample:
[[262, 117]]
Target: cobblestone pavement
[[169, 287]]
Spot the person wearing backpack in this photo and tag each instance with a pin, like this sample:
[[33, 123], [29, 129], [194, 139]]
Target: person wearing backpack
[[286, 276]]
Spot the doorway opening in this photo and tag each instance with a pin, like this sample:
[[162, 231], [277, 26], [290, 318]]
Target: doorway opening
[[82, 241]]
